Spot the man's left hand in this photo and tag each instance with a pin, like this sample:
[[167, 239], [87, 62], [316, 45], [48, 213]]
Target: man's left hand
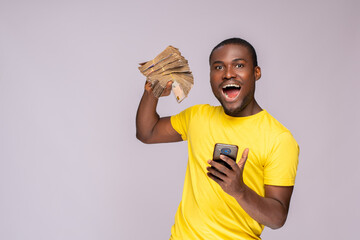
[[230, 180]]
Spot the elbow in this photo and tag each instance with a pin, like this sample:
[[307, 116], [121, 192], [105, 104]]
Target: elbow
[[278, 223], [143, 138], [274, 227]]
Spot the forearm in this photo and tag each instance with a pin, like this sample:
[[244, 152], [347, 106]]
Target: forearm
[[265, 210], [270, 210], [146, 117]]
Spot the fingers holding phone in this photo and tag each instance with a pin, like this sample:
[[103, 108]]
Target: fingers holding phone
[[224, 170], [224, 156]]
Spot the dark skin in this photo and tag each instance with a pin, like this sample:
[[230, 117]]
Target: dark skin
[[229, 64], [270, 210], [232, 64], [150, 128]]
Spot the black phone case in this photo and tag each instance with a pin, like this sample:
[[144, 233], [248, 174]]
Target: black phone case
[[225, 149]]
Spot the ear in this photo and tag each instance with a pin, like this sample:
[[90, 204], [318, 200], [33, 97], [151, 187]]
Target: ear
[[257, 71]]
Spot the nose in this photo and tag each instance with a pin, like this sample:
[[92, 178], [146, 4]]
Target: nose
[[229, 73]]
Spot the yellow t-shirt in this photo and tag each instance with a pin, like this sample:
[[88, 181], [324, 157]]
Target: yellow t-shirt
[[206, 211]]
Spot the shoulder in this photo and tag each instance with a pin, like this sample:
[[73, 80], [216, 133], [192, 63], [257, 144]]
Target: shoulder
[[277, 133], [201, 110], [274, 126], [196, 116]]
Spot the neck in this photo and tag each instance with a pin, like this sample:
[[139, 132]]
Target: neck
[[250, 109]]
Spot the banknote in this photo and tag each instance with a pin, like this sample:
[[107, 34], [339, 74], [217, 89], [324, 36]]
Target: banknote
[[169, 65]]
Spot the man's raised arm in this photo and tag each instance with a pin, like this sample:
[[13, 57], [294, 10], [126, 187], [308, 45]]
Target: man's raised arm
[[150, 128]]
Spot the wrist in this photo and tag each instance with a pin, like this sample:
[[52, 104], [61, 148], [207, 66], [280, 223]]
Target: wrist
[[240, 193], [150, 95]]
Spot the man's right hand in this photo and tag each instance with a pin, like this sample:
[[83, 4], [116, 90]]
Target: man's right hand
[[150, 128], [166, 91]]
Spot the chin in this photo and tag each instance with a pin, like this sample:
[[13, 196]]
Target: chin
[[234, 112]]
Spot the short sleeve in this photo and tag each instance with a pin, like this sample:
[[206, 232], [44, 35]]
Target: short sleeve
[[281, 164], [180, 122]]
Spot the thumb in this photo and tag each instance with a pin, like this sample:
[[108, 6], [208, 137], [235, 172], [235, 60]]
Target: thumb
[[243, 159], [167, 89], [169, 85]]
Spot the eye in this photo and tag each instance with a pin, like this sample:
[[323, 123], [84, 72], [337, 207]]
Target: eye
[[239, 65], [219, 67]]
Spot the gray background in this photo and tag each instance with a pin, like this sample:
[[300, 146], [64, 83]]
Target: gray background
[[70, 165]]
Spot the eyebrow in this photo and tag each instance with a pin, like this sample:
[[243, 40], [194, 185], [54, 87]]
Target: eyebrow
[[217, 62], [234, 60], [238, 59]]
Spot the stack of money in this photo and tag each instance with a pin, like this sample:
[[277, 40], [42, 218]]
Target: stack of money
[[169, 65]]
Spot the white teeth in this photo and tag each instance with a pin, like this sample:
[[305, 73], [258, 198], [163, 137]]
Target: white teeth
[[231, 85]]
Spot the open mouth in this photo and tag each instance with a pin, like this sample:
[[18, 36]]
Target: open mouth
[[231, 91]]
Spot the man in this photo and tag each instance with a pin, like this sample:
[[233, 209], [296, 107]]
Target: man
[[220, 202]]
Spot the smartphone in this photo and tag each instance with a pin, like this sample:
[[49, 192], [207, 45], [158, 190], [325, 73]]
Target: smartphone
[[225, 149]]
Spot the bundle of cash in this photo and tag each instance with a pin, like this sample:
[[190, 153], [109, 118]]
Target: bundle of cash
[[169, 65]]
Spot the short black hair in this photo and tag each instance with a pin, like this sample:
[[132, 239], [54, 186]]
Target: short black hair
[[241, 42]]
